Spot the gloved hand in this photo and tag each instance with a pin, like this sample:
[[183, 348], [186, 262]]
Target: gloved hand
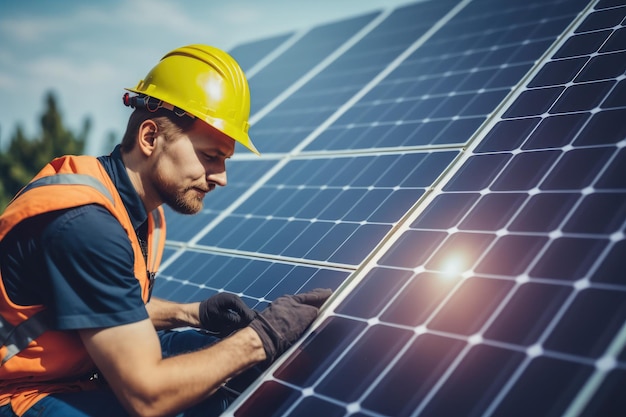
[[224, 313], [286, 319]]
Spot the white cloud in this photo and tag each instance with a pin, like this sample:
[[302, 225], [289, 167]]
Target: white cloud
[[157, 16], [65, 71], [233, 14], [41, 28], [27, 29], [6, 81]]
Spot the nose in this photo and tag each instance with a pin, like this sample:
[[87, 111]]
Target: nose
[[217, 178]]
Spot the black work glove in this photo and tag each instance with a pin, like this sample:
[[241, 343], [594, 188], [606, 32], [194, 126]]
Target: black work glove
[[286, 319], [224, 313]]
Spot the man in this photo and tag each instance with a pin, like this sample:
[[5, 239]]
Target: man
[[80, 245]]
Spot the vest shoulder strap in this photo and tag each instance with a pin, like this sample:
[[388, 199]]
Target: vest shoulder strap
[[17, 338], [69, 179]]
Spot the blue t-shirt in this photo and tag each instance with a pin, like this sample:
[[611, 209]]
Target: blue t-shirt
[[78, 262]]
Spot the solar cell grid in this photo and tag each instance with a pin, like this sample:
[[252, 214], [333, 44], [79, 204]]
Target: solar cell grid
[[249, 54], [328, 209], [449, 85], [308, 50], [194, 275], [506, 291], [320, 98]]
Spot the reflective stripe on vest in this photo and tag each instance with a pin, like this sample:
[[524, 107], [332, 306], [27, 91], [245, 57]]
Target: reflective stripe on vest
[[69, 179], [17, 338]]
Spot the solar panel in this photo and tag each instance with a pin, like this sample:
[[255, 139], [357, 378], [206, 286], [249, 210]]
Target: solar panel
[[455, 170], [308, 50], [250, 55]]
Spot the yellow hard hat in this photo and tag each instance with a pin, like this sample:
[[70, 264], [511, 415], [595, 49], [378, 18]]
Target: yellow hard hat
[[207, 83]]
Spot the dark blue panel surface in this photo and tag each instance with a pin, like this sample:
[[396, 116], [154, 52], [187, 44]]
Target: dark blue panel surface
[[329, 209], [295, 118], [300, 58], [249, 54], [444, 91], [193, 276]]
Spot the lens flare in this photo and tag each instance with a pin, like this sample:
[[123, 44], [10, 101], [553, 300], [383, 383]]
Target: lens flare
[[453, 265]]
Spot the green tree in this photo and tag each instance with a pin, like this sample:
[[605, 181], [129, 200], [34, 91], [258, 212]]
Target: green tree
[[24, 157]]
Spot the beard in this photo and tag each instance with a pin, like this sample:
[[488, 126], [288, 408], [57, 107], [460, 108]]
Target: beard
[[182, 202], [185, 201]]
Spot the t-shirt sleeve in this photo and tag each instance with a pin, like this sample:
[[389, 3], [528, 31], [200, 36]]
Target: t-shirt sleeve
[[91, 271]]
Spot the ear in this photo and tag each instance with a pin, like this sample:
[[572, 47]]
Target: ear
[[146, 137]]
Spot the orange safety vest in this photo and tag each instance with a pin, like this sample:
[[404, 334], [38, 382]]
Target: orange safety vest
[[36, 361]]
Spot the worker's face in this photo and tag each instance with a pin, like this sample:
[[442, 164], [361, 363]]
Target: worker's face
[[190, 166]]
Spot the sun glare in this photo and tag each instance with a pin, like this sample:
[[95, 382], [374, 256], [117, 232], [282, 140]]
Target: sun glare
[[453, 265]]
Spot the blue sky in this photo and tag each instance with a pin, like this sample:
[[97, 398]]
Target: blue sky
[[87, 52]]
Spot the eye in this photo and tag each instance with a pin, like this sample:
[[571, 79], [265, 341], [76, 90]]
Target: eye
[[209, 157], [212, 157]]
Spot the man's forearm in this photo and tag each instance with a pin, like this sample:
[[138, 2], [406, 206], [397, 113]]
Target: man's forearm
[[129, 357], [169, 315], [189, 378]]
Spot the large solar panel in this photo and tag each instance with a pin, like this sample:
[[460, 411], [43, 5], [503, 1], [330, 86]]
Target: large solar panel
[[456, 172]]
